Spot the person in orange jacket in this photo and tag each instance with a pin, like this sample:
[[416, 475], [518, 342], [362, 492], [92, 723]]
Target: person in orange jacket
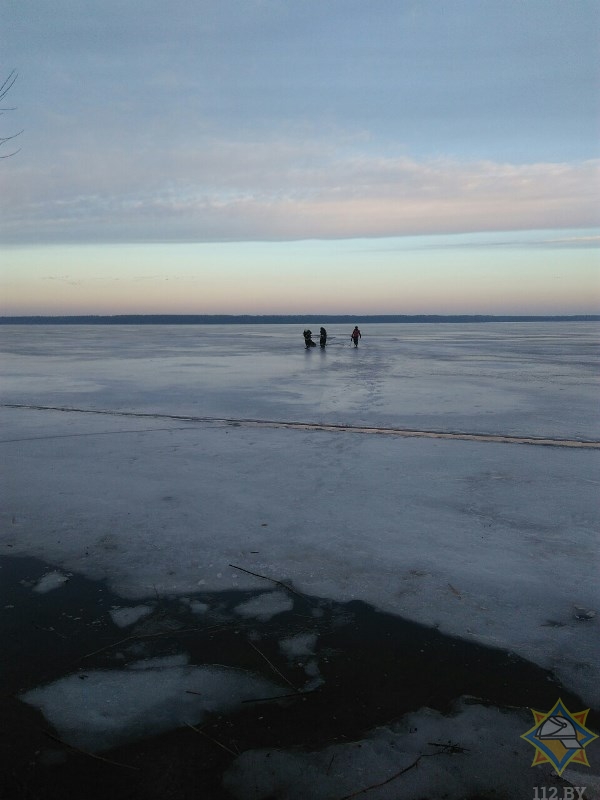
[[355, 335]]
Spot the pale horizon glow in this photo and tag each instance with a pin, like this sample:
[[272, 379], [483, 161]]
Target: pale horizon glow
[[413, 275], [240, 158]]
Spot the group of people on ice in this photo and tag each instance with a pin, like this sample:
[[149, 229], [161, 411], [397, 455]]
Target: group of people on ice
[[308, 338], [355, 336]]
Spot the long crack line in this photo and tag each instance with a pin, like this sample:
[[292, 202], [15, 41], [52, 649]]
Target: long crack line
[[328, 427]]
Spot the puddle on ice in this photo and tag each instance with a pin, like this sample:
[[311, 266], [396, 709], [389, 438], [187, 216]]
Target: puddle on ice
[[362, 691]]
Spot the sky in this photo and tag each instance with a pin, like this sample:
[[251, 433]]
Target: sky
[[300, 156]]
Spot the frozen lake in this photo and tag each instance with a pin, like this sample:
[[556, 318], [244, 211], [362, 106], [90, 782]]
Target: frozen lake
[[175, 480], [527, 378]]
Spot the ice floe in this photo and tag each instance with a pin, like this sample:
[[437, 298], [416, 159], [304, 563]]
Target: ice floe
[[265, 606], [99, 709], [51, 580], [427, 754], [123, 617], [303, 644]]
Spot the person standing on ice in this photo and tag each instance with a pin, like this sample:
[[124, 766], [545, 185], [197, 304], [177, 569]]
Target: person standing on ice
[[323, 337], [308, 339], [355, 335]]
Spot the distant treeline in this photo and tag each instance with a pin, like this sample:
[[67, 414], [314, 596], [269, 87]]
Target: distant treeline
[[281, 319]]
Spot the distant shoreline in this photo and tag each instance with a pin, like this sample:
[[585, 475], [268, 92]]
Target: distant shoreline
[[283, 319]]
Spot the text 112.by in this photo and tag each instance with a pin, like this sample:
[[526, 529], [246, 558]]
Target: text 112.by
[[552, 793]]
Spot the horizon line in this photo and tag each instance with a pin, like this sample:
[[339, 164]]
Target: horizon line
[[208, 319]]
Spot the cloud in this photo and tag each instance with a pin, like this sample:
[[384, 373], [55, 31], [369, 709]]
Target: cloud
[[575, 241], [286, 190]]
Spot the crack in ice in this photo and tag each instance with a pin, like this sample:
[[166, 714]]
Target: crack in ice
[[328, 427]]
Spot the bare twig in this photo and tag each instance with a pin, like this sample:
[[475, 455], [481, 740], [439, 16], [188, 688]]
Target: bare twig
[[91, 755], [138, 636], [215, 741], [7, 85], [50, 630], [297, 693], [4, 139], [449, 747], [264, 577], [259, 699], [273, 667], [5, 88]]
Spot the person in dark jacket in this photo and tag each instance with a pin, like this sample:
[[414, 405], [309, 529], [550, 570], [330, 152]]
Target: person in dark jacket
[[355, 335], [323, 337], [308, 339]]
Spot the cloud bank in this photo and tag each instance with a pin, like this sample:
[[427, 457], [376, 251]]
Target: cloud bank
[[264, 191]]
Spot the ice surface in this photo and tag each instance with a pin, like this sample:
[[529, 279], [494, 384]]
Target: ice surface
[[49, 581], [298, 650], [590, 781], [129, 616], [487, 740], [492, 542], [303, 644], [99, 709], [533, 379], [161, 662], [196, 606], [265, 606]]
